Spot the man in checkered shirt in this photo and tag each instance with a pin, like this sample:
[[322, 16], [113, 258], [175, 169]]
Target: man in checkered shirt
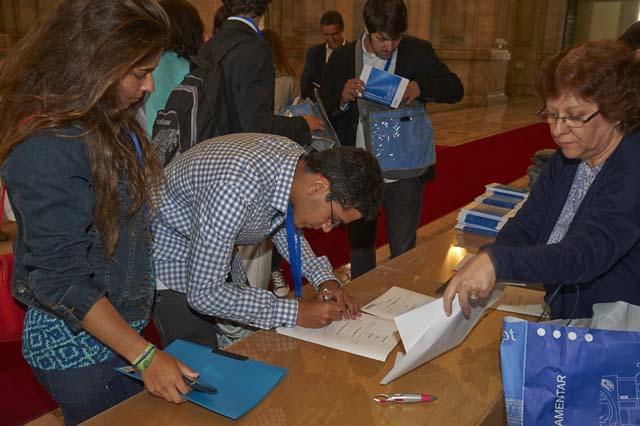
[[234, 190]]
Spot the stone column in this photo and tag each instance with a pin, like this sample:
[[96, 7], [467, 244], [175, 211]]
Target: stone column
[[471, 37], [537, 31]]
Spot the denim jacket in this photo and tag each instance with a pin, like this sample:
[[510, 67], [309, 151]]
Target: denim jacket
[[60, 262]]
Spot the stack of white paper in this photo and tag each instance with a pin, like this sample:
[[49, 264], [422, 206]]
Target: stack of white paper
[[427, 332], [373, 335], [366, 336]]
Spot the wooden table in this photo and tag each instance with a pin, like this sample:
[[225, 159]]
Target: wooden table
[[326, 386]]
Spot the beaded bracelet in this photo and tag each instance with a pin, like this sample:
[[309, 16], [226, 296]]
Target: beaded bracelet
[[146, 360], [143, 355]]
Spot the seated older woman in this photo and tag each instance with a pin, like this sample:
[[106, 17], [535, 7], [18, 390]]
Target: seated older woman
[[579, 231]]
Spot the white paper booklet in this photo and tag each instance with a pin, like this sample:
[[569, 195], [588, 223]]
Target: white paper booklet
[[427, 332], [396, 301], [373, 335], [366, 336]]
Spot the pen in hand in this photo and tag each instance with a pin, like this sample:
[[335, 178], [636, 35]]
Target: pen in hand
[[328, 297], [199, 385]]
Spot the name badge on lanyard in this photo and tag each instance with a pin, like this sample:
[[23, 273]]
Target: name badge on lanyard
[[295, 252], [136, 145]]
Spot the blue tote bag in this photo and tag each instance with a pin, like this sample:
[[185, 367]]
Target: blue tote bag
[[557, 375]]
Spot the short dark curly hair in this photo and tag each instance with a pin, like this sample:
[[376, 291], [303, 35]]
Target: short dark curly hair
[[354, 176], [605, 72], [246, 7]]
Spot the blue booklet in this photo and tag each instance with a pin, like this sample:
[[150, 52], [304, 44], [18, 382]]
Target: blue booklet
[[240, 383], [506, 190], [500, 200], [383, 87], [477, 229], [498, 214]]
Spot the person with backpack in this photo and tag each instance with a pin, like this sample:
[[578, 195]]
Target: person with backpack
[[229, 90], [186, 38], [79, 171], [385, 46], [248, 77]]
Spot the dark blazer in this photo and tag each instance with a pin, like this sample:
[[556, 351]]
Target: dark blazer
[[249, 74], [313, 70], [600, 253], [416, 61]]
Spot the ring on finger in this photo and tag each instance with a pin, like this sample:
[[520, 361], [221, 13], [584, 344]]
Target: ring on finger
[[473, 297]]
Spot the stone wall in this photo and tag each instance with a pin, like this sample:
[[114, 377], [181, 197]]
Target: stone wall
[[495, 46]]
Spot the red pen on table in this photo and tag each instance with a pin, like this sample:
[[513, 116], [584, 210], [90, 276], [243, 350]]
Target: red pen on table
[[403, 398]]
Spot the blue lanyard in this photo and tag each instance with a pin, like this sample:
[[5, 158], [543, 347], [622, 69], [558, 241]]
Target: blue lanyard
[[251, 22], [136, 145], [387, 65], [295, 252]]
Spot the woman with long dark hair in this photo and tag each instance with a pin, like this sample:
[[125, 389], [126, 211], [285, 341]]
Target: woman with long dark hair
[[79, 171]]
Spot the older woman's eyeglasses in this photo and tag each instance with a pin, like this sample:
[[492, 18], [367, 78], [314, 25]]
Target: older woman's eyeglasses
[[572, 121]]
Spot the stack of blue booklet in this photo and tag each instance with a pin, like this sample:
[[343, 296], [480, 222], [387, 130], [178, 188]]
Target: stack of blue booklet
[[490, 211], [228, 384]]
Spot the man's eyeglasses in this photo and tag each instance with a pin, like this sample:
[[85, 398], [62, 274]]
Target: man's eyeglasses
[[334, 222], [572, 121]]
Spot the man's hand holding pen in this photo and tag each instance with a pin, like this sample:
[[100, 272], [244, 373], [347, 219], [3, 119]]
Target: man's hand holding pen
[[332, 304], [333, 291]]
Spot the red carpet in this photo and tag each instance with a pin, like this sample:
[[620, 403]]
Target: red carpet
[[461, 173]]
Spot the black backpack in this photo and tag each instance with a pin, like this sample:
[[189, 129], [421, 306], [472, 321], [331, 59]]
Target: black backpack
[[196, 109]]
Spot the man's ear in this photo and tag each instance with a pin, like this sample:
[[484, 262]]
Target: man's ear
[[319, 184]]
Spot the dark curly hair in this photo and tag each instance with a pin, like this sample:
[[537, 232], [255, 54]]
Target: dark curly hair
[[354, 176], [605, 72], [246, 7]]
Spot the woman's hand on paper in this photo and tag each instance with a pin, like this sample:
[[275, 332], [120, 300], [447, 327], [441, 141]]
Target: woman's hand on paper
[[473, 282], [330, 290], [163, 377], [352, 89]]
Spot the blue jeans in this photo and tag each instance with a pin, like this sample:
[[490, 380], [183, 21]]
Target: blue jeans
[[84, 392]]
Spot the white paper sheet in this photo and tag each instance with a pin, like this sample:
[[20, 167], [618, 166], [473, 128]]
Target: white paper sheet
[[396, 301], [427, 332], [366, 336]]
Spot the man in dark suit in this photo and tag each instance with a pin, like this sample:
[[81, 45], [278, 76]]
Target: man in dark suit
[[249, 76], [384, 46], [332, 27]]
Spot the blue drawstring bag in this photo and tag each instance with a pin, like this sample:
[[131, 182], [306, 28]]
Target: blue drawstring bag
[[558, 375]]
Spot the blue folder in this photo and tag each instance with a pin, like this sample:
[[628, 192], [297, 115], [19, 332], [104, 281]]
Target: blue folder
[[241, 384]]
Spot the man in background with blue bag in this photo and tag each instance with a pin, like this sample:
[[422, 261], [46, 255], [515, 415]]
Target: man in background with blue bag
[[384, 46]]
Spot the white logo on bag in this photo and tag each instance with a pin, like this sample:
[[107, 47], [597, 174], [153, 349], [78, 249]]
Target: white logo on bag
[[561, 383], [508, 335]]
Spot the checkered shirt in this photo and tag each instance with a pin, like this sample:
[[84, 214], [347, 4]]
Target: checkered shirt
[[228, 191]]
